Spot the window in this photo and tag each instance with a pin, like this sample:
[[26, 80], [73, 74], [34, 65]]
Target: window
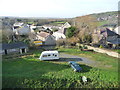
[[55, 55], [49, 55], [44, 55]]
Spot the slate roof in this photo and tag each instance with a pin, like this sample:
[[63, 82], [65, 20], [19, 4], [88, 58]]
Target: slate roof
[[23, 30], [116, 41], [108, 32], [13, 45]]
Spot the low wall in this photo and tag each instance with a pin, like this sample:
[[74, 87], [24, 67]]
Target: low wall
[[110, 53]]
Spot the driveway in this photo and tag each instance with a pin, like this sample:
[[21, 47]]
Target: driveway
[[68, 57]]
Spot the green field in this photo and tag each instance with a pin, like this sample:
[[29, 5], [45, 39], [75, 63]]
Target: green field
[[57, 23], [29, 72], [100, 23]]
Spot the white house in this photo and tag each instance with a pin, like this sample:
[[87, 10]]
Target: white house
[[32, 28], [58, 35], [117, 30], [18, 24], [63, 28]]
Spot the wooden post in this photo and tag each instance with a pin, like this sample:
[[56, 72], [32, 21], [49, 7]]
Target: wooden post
[[25, 50], [20, 51]]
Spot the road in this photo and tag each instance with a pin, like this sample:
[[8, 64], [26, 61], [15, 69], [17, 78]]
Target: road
[[68, 57]]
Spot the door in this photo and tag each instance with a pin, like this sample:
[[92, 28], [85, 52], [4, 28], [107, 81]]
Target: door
[[5, 51], [23, 50]]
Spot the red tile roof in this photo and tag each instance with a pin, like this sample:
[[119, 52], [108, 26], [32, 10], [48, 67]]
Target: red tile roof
[[44, 34]]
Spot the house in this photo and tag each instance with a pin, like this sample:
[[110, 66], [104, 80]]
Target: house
[[108, 38], [58, 35], [46, 38], [114, 43], [108, 34], [17, 25], [16, 47], [22, 30], [117, 30], [40, 28], [64, 28], [48, 27], [32, 27]]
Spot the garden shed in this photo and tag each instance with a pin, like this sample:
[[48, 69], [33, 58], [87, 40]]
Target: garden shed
[[16, 47]]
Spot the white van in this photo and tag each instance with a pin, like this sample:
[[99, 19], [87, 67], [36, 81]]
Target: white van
[[49, 55]]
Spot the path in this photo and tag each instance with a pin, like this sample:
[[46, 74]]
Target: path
[[68, 57]]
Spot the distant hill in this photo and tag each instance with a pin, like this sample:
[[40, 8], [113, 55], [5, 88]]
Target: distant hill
[[110, 17], [99, 18], [105, 14]]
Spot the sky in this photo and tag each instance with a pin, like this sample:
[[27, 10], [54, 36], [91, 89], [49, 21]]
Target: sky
[[55, 8]]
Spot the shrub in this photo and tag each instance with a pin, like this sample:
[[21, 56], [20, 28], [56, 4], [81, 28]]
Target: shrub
[[70, 32], [101, 46], [80, 47]]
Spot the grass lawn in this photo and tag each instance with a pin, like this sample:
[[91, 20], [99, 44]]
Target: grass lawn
[[30, 72], [118, 51], [103, 59]]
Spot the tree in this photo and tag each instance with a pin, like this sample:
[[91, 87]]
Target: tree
[[19, 20], [70, 31], [85, 25], [87, 39], [7, 36]]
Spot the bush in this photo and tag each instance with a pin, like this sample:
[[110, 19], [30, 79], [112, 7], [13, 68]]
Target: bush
[[101, 46], [70, 32], [60, 42], [80, 47]]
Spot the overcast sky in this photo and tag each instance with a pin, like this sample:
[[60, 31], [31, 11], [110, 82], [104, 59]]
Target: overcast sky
[[55, 8]]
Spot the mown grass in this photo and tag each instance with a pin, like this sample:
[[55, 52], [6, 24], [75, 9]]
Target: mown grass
[[118, 51], [30, 72]]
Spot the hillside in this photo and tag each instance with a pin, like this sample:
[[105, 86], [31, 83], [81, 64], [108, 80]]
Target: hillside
[[110, 17], [88, 23], [102, 18]]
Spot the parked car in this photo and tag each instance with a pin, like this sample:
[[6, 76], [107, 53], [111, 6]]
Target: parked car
[[75, 66]]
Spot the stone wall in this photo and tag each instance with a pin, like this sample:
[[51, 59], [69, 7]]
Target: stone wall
[[108, 52]]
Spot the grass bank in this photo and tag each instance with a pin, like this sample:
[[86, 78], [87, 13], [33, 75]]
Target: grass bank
[[30, 72]]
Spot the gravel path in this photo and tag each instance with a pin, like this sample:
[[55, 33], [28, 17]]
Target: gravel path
[[67, 57]]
